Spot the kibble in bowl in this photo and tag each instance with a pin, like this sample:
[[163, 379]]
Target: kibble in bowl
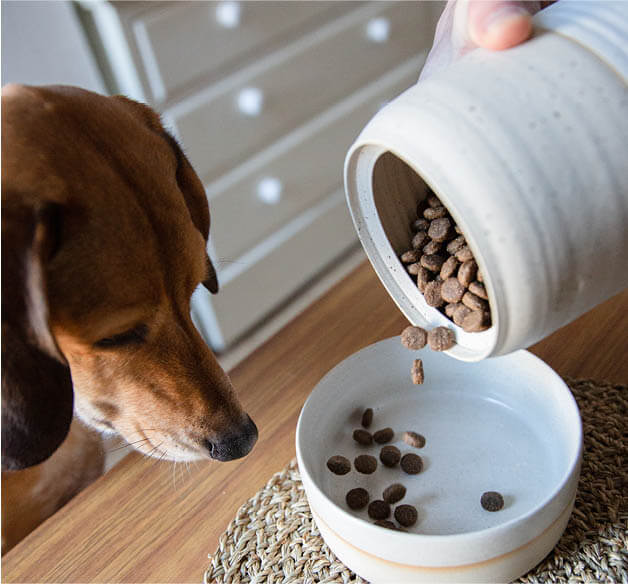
[[476, 421]]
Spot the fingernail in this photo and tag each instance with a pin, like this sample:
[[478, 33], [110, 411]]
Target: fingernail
[[496, 21]]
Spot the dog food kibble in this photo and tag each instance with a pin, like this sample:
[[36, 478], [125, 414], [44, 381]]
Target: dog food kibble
[[474, 302], [385, 523], [440, 229], [394, 493], [363, 437], [416, 373], [421, 224], [432, 262], [478, 289], [357, 498], [432, 294], [406, 515], [464, 254], [390, 456], [452, 290], [474, 321], [441, 338], [456, 245], [365, 463], [414, 268], [460, 313], [384, 435], [432, 247], [414, 338], [422, 279], [467, 272], [419, 239], [410, 257], [492, 501], [411, 463], [379, 509], [449, 268], [432, 213], [367, 417], [450, 309], [433, 201], [414, 439], [339, 465]]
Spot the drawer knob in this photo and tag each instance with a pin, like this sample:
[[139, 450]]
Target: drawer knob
[[269, 190], [251, 101], [378, 30], [228, 14]]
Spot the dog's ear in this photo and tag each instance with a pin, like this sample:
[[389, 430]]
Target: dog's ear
[[189, 184], [37, 395], [194, 195]]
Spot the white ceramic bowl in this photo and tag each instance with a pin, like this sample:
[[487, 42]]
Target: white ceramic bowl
[[507, 424]]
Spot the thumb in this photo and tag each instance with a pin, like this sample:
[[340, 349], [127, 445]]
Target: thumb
[[500, 24]]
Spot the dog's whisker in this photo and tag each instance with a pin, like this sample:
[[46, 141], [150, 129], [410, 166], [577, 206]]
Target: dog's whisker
[[126, 445]]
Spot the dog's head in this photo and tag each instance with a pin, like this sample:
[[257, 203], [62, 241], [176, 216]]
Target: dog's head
[[104, 237]]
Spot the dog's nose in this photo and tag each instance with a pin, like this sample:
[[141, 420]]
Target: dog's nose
[[234, 444]]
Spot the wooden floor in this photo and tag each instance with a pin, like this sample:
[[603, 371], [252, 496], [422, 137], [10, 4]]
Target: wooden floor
[[148, 521]]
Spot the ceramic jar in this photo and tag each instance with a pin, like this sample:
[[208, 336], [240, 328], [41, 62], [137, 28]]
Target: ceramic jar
[[527, 148]]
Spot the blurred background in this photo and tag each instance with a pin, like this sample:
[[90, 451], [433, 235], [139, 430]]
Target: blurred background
[[266, 97]]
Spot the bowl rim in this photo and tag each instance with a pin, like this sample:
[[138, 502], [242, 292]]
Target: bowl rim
[[442, 542]]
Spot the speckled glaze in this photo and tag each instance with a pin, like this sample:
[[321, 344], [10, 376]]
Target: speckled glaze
[[508, 424], [528, 150]]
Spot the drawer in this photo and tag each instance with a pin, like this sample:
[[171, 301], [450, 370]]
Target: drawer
[[232, 120], [267, 277], [189, 40], [295, 172]]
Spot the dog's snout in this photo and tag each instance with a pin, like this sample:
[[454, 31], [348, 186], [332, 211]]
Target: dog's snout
[[234, 444]]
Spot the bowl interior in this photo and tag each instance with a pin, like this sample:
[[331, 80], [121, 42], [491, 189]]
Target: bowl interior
[[507, 424]]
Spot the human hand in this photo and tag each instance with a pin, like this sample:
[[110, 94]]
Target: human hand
[[467, 24]]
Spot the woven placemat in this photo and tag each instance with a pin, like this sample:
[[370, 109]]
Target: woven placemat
[[273, 538]]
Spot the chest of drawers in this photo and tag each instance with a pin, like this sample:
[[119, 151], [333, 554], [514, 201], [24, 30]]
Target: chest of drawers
[[265, 97]]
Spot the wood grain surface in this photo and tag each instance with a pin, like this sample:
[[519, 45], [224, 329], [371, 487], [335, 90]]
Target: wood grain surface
[[151, 521]]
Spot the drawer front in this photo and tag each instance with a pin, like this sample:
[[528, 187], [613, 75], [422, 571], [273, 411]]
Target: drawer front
[[245, 299], [181, 43], [295, 173], [226, 124]]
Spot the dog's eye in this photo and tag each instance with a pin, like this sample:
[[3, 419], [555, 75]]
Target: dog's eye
[[133, 336]]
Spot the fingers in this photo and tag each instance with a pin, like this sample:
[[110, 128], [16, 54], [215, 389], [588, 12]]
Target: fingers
[[500, 24], [467, 24]]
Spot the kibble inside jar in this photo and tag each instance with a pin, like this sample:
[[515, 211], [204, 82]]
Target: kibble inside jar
[[442, 264]]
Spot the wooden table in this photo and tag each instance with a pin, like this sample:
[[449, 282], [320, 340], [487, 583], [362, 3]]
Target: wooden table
[[148, 521]]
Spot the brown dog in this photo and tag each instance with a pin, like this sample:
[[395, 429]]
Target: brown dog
[[104, 230]]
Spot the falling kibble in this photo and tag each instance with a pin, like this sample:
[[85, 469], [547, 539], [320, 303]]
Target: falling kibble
[[416, 373], [339, 465], [367, 417], [414, 338], [492, 501], [441, 338]]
